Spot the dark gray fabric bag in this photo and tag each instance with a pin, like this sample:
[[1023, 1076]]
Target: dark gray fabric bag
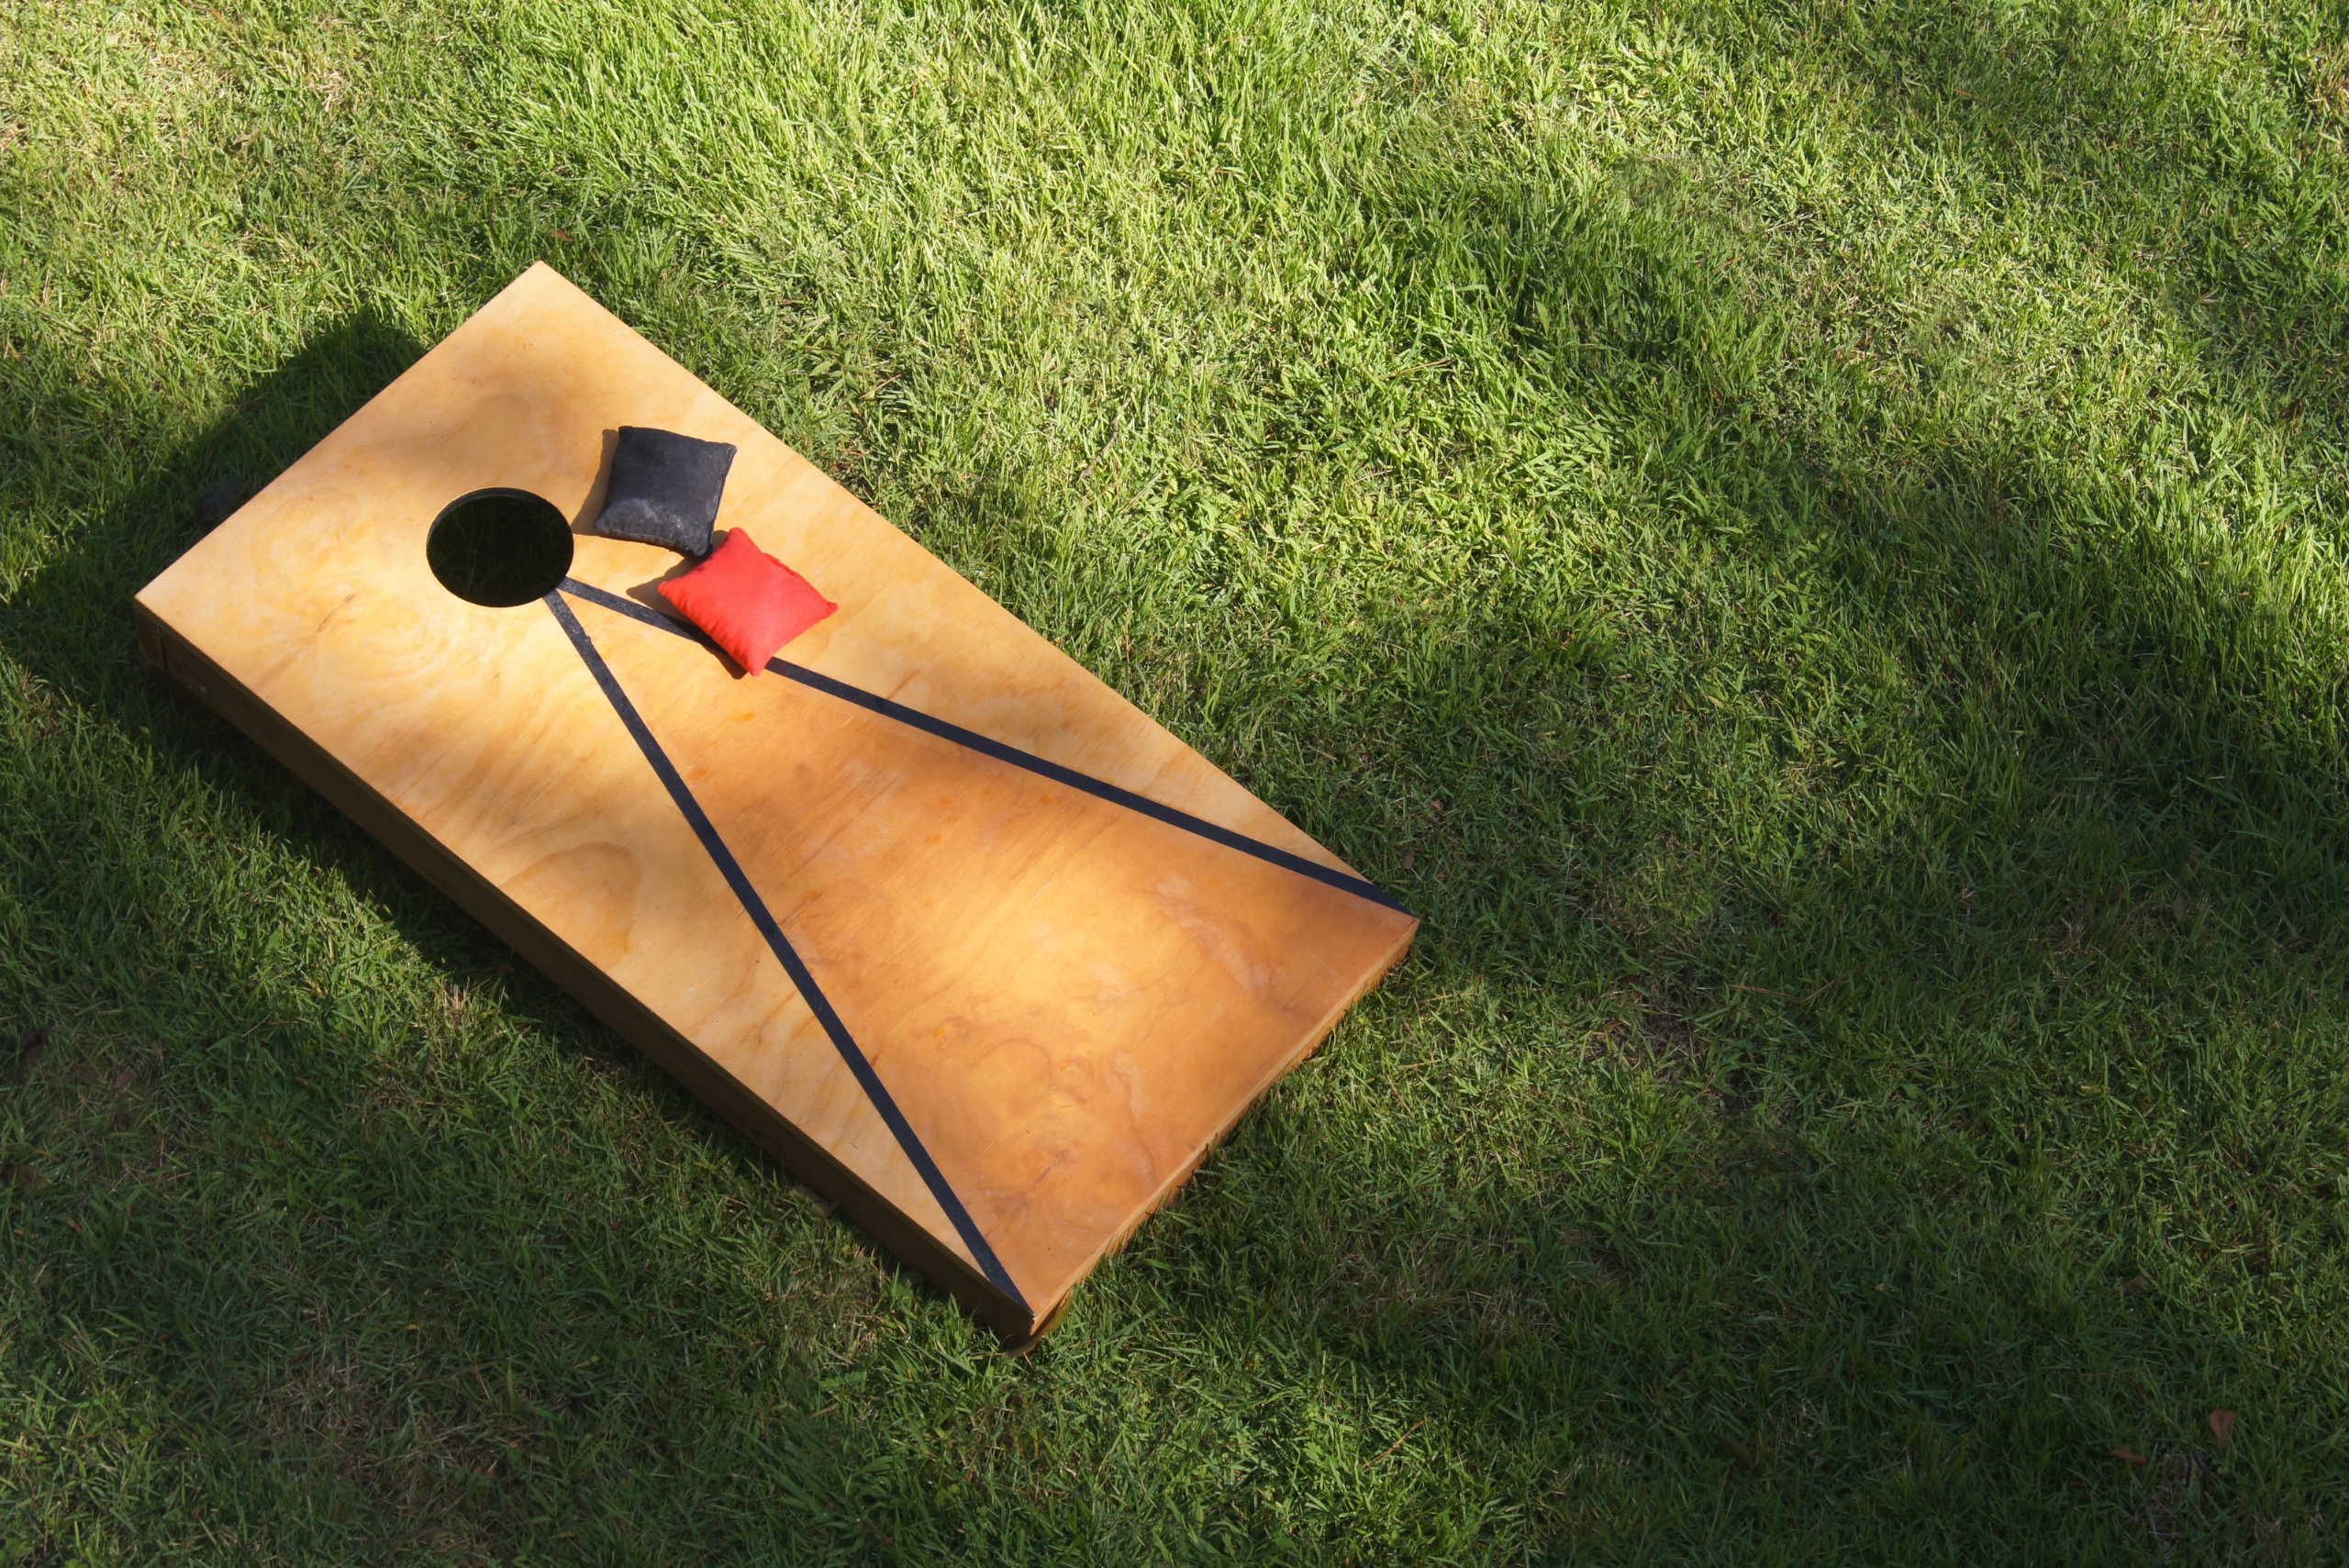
[[665, 488]]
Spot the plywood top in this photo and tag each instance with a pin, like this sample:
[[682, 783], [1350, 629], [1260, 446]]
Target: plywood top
[[1063, 995]]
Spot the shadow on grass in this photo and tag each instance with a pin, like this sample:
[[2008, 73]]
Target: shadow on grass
[[1875, 1010], [360, 1304]]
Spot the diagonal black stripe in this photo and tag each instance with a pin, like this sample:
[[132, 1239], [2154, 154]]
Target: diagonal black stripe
[[1099, 788], [788, 956]]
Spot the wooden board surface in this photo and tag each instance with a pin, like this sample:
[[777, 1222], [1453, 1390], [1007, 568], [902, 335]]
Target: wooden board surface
[[968, 940]]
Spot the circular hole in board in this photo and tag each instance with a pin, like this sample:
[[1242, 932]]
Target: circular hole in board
[[499, 548]]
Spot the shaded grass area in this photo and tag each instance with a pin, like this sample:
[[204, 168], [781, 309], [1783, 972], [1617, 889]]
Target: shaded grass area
[[1804, 541]]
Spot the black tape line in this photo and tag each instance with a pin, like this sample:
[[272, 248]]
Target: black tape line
[[786, 954], [1098, 788]]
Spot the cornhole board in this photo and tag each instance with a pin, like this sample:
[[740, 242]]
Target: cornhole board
[[968, 942]]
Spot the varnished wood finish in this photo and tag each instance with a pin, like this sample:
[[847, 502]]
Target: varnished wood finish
[[1070, 1000]]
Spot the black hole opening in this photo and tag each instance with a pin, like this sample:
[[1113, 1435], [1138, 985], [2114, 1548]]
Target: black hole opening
[[499, 548]]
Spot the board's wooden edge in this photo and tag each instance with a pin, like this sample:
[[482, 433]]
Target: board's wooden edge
[[189, 668]]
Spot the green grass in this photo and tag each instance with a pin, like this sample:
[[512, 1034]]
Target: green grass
[[1804, 539]]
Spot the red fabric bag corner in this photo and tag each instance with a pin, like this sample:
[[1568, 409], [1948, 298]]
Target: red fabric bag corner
[[748, 602]]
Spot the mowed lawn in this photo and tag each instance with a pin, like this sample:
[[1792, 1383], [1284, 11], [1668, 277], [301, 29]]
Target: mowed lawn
[[1806, 540]]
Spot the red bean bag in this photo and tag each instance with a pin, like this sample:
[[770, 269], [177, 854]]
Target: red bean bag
[[749, 603]]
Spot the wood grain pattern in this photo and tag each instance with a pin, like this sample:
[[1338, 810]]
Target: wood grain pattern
[[1068, 1000]]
